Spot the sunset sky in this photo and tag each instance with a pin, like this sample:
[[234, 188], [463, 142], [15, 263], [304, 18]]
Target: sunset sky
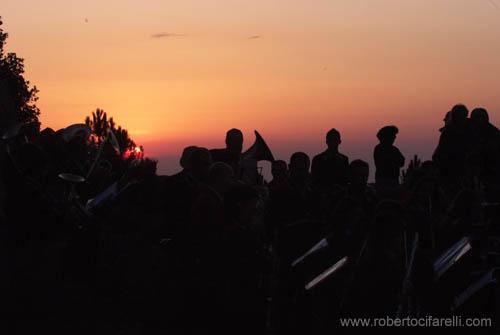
[[177, 73]]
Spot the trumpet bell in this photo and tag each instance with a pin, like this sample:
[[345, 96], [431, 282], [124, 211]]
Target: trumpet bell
[[77, 130], [259, 151]]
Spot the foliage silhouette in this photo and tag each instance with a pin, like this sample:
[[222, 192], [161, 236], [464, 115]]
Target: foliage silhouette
[[100, 125], [16, 89]]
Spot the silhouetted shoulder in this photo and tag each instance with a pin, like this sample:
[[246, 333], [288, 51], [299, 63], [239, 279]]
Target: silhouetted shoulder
[[218, 155], [319, 157], [344, 158], [223, 155]]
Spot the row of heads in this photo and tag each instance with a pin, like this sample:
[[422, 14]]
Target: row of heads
[[198, 162], [460, 113], [234, 138]]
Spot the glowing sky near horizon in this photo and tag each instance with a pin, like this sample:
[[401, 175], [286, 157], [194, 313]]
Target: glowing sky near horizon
[[177, 73]]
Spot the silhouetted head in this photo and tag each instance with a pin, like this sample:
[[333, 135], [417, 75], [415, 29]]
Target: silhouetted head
[[333, 139], [446, 121], [279, 170], [299, 164], [479, 116], [459, 114], [48, 140], [185, 160], [358, 173], [200, 161], [387, 134], [234, 141], [221, 177]]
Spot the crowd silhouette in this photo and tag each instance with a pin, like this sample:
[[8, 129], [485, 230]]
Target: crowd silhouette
[[96, 243]]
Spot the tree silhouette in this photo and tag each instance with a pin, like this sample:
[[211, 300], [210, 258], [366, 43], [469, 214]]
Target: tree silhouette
[[100, 124], [17, 98]]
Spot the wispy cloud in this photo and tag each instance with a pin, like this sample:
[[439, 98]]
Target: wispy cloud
[[166, 35], [254, 37]]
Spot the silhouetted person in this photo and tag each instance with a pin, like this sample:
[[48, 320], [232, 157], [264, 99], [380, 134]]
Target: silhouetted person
[[486, 150], [185, 175], [483, 132], [184, 162], [181, 188], [279, 171], [296, 192], [330, 168], [299, 175], [388, 159], [200, 162], [280, 195], [208, 230], [454, 145], [446, 120], [352, 213], [207, 213], [244, 301], [231, 154], [480, 118], [377, 283], [359, 171]]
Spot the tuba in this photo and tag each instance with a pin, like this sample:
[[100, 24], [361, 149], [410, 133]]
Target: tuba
[[74, 131], [259, 151]]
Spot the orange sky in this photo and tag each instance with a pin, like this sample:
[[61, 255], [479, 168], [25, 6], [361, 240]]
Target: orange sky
[[291, 69]]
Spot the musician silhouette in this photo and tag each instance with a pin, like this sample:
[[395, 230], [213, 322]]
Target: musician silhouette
[[207, 212], [279, 171], [388, 160], [484, 134], [184, 161], [454, 145], [299, 170], [180, 190], [330, 168], [359, 172], [231, 154], [486, 148]]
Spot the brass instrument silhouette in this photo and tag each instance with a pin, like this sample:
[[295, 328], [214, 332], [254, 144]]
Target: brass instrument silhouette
[[259, 151], [74, 131]]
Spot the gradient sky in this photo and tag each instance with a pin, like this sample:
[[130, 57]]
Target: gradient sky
[[177, 73]]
